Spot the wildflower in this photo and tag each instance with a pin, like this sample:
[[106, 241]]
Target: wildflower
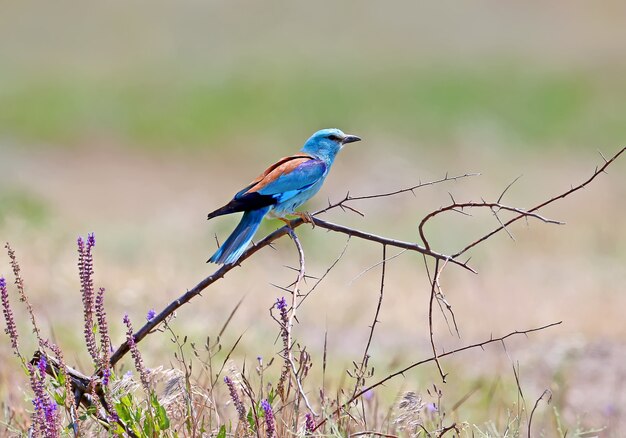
[[105, 340], [281, 305], [309, 424], [151, 314], [270, 424], [45, 414], [85, 271], [43, 364], [241, 410], [106, 375], [91, 240], [11, 328], [19, 282], [134, 351]]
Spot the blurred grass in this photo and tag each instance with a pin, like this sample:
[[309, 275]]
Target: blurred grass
[[27, 207], [522, 106]]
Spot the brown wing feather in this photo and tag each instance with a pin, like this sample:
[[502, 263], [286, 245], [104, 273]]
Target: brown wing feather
[[277, 170]]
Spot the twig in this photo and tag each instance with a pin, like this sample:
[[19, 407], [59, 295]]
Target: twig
[[411, 189], [493, 206], [582, 185], [330, 268], [292, 316], [369, 268], [431, 359], [433, 290], [223, 270], [543, 394], [372, 433], [389, 242], [360, 373]]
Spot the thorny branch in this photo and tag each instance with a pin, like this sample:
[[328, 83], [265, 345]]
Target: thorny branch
[[292, 317], [431, 359], [362, 369], [268, 240], [597, 171], [425, 250]]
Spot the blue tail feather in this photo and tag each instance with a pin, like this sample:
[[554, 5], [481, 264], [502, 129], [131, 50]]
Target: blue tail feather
[[238, 241]]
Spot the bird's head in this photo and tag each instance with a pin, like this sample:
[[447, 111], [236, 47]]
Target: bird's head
[[326, 143]]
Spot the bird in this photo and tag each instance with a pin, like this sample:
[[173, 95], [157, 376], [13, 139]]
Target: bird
[[280, 190]]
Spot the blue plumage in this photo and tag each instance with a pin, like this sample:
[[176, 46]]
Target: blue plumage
[[281, 189]]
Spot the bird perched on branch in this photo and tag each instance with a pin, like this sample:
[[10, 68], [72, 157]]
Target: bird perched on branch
[[278, 191]]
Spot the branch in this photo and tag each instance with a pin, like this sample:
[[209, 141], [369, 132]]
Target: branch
[[582, 185], [433, 358], [411, 189], [493, 206], [389, 242], [292, 316], [223, 270], [362, 370]]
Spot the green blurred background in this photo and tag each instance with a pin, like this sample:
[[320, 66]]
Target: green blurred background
[[134, 120]]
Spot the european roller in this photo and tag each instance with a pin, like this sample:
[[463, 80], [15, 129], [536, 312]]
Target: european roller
[[278, 191]]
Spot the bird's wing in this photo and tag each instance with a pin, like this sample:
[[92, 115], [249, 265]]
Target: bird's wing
[[287, 178], [280, 182]]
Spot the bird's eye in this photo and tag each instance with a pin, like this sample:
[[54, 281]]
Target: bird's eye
[[334, 137]]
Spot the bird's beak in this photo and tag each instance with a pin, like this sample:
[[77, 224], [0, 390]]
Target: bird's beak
[[350, 139]]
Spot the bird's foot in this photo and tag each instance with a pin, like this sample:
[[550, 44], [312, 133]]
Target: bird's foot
[[285, 220], [306, 217]]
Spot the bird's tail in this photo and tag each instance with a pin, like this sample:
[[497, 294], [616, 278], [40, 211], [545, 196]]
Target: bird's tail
[[238, 241]]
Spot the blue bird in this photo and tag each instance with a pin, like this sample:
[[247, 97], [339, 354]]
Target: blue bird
[[278, 191]]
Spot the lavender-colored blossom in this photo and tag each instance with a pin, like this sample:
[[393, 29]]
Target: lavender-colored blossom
[[45, 413], [106, 375], [151, 314], [50, 413], [234, 395], [11, 328], [309, 424], [91, 240], [43, 364], [270, 423], [281, 304]]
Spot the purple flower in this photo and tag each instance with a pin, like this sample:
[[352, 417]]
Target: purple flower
[[431, 408], [45, 418], [309, 424], [151, 314], [270, 424], [106, 375], [43, 364], [281, 304], [234, 395], [91, 240]]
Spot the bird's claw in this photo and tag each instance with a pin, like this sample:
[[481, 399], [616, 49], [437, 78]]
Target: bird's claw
[[306, 217]]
